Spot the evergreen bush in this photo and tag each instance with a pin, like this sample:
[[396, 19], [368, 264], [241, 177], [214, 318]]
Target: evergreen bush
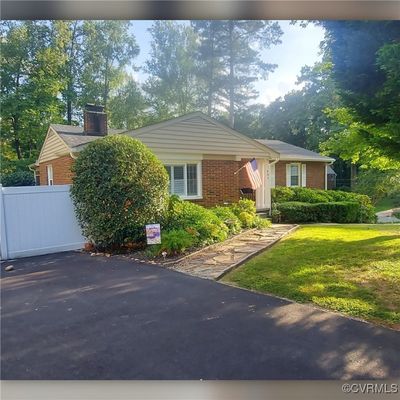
[[118, 187]]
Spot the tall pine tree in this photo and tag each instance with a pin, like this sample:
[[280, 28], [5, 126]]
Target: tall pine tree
[[209, 63], [242, 42]]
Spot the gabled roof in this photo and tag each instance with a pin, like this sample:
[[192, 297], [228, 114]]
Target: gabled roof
[[290, 152], [74, 136], [198, 133], [192, 134]]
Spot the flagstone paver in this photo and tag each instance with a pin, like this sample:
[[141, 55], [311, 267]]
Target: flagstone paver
[[215, 261]]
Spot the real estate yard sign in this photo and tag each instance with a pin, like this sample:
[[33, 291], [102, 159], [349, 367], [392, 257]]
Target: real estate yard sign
[[153, 233]]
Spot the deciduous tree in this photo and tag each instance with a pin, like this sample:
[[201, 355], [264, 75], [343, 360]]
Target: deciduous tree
[[172, 87], [109, 47]]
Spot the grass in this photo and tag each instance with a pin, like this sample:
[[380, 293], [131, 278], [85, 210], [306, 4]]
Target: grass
[[353, 269], [384, 204]]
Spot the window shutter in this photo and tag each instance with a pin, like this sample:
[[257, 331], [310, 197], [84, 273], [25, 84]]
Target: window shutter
[[303, 175], [288, 175]]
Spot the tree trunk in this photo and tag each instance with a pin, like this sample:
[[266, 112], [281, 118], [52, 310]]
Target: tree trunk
[[106, 86], [70, 72], [211, 76], [69, 108], [353, 175], [231, 77], [16, 141]]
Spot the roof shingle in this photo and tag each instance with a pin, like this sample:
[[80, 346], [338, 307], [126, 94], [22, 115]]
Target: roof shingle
[[290, 152], [74, 137]]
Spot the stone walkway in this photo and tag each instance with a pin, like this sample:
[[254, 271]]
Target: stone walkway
[[387, 216], [215, 261]]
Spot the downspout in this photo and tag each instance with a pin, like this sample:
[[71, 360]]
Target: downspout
[[31, 165], [72, 155], [33, 170]]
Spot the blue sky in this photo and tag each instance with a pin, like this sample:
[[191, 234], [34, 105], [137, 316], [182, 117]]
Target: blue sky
[[299, 47]]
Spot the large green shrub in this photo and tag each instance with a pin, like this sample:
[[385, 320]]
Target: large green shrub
[[305, 195], [226, 215], [197, 220], [18, 178], [245, 210], [378, 184], [300, 212], [244, 205], [246, 219], [119, 186]]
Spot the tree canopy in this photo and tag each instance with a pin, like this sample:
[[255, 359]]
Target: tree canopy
[[347, 104], [366, 57]]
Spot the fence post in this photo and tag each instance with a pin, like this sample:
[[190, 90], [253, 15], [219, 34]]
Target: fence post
[[3, 229]]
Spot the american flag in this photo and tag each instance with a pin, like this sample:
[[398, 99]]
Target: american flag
[[253, 174]]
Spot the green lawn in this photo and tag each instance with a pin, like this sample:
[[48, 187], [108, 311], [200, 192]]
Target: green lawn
[[353, 269]]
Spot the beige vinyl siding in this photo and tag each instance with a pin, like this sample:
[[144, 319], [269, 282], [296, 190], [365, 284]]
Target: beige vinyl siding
[[198, 135], [53, 147]]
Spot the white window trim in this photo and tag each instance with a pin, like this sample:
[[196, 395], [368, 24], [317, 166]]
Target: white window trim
[[199, 196], [289, 174], [50, 176]]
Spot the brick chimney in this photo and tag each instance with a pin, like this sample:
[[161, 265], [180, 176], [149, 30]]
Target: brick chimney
[[94, 120]]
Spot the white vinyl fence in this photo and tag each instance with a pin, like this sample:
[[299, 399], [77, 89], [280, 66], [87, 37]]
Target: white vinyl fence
[[37, 220]]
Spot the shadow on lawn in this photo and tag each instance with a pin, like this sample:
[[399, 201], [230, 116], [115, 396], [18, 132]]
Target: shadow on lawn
[[108, 318]]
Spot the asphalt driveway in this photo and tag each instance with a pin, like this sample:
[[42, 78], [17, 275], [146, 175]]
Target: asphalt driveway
[[73, 316]]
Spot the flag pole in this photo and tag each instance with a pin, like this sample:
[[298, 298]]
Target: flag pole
[[243, 166], [239, 169]]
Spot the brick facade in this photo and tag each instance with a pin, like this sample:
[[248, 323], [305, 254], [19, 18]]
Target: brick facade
[[315, 172], [62, 174], [220, 184], [244, 179]]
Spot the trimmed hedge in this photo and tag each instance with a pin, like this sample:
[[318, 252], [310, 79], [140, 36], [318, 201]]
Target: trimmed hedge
[[338, 211], [366, 211]]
